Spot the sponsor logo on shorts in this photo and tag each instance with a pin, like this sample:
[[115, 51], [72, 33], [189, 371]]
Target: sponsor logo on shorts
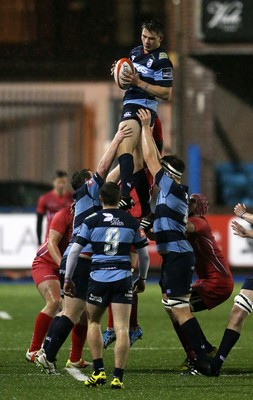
[[96, 299], [129, 294], [167, 73], [127, 114]]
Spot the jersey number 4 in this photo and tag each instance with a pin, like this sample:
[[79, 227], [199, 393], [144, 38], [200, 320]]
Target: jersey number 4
[[111, 241]]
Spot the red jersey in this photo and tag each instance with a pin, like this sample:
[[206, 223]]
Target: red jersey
[[62, 222], [49, 203], [210, 261]]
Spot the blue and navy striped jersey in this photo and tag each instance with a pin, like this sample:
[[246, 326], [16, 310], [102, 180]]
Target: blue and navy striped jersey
[[86, 203], [154, 68], [111, 233], [171, 215]]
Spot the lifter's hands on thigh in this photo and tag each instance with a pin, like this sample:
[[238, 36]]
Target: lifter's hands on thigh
[[69, 288], [139, 285]]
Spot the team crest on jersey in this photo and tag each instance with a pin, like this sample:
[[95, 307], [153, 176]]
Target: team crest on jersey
[[163, 55], [149, 62]]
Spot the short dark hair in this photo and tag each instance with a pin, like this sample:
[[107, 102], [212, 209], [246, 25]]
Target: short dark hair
[[60, 174], [79, 178], [176, 162], [153, 25], [110, 193]]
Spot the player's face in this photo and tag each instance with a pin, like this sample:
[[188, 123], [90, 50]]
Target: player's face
[[150, 40], [60, 185]]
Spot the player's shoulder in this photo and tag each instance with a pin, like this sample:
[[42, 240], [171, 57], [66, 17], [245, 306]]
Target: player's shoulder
[[47, 195], [136, 50], [162, 57]]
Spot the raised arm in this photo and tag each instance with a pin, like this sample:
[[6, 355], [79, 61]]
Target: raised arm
[[149, 149], [107, 159], [240, 211]]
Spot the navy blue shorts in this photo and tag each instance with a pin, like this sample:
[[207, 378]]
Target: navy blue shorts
[[80, 277], [176, 274], [101, 294], [248, 284], [129, 112]]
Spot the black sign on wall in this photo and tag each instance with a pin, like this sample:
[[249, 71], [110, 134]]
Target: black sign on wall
[[227, 21]]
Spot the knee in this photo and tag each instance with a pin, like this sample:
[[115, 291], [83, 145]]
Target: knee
[[237, 317], [54, 305]]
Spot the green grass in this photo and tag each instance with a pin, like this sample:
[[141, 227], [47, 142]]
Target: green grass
[[149, 373]]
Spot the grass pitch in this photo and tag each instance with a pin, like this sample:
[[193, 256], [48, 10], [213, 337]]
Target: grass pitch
[[149, 373]]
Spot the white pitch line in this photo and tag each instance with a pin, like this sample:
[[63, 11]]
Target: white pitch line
[[76, 374], [112, 349], [5, 315]]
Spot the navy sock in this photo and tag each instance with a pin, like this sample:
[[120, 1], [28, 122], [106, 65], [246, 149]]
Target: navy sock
[[62, 329], [193, 332], [140, 182], [228, 341], [50, 333], [208, 345], [118, 373], [126, 165], [98, 365]]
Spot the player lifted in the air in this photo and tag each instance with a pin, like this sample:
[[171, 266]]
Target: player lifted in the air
[[153, 78]]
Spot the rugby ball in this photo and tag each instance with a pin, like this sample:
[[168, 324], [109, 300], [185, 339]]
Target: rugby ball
[[122, 66]]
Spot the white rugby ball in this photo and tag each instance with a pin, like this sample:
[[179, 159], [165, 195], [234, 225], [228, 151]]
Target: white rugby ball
[[122, 66]]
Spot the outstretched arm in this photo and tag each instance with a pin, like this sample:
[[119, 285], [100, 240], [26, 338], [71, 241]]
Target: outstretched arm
[[240, 211], [107, 159], [149, 149], [239, 230]]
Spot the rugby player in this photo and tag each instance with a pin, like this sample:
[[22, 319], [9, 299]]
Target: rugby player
[[53, 201], [243, 302], [215, 282], [171, 215], [111, 233], [152, 79], [45, 273], [86, 202]]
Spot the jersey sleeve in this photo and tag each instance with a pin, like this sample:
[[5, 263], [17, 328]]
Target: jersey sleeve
[[163, 181], [60, 222], [83, 237], [41, 205], [140, 239], [94, 186], [199, 223], [163, 70]]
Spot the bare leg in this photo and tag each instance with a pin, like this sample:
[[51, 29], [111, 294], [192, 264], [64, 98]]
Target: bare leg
[[94, 336], [121, 317]]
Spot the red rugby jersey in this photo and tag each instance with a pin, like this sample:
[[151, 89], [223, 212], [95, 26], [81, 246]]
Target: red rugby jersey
[[62, 222], [210, 260]]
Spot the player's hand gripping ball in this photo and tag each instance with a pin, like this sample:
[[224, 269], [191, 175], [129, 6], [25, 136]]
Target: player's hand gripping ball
[[122, 66]]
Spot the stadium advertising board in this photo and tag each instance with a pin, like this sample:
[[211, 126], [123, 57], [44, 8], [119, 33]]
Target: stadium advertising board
[[18, 241], [227, 21]]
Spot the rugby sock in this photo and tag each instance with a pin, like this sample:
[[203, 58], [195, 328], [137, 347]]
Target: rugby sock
[[184, 341], [78, 337], [208, 345], [50, 332], [61, 331], [134, 312], [228, 341], [118, 373], [98, 365], [41, 326], [126, 165], [140, 182], [193, 333], [110, 319]]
